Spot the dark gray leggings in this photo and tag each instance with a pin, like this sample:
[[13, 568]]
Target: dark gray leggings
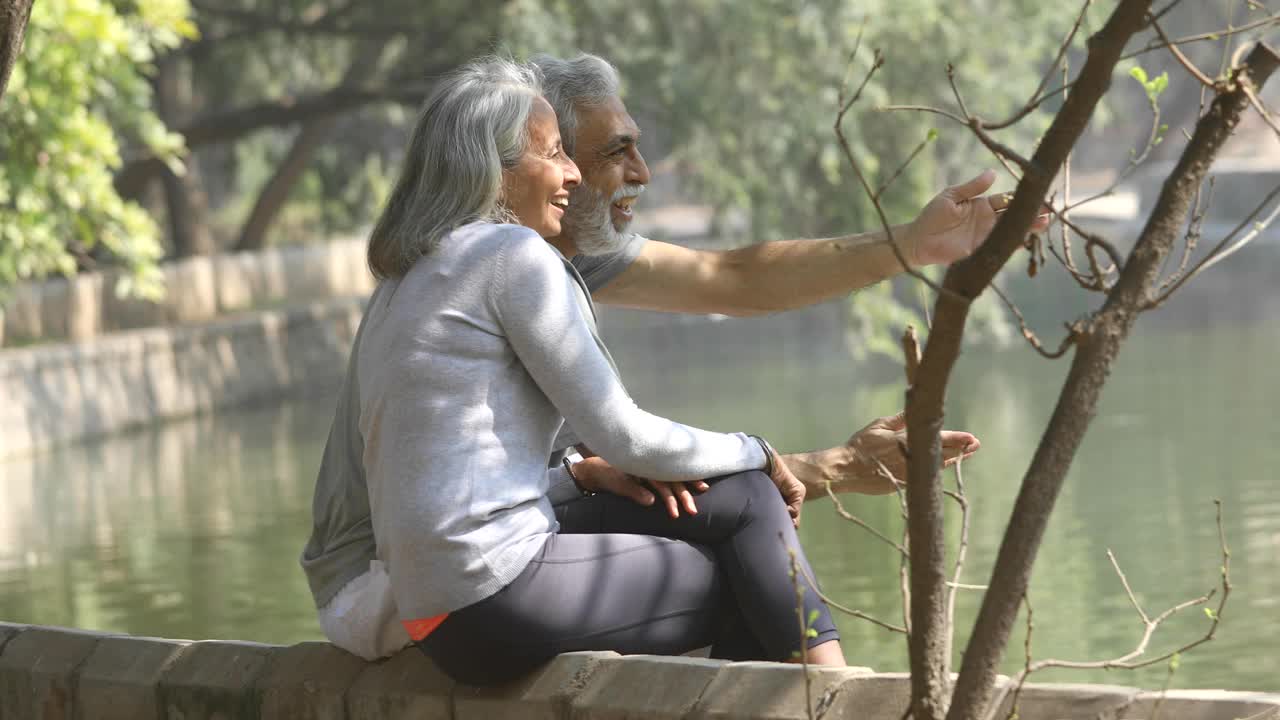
[[620, 576]]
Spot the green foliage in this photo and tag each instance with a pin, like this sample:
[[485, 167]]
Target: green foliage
[[77, 91]]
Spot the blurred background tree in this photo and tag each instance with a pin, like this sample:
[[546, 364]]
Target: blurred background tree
[[286, 119], [78, 95]]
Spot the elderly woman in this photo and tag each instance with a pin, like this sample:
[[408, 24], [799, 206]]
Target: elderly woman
[[477, 347]]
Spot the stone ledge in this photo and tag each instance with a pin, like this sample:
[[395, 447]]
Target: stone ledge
[[48, 673], [772, 691], [120, 679], [214, 679]]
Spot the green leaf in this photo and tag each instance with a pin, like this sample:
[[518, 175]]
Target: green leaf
[[1137, 73]]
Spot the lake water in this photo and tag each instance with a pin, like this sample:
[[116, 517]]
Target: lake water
[[192, 529]]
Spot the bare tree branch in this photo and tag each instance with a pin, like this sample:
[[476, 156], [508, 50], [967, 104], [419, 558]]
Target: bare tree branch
[[1097, 350]]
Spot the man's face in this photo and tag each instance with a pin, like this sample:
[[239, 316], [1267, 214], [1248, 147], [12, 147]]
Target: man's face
[[613, 176]]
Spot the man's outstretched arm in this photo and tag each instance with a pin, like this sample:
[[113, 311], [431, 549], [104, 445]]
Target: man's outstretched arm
[[788, 274]]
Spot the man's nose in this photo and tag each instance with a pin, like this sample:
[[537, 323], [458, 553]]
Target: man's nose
[[637, 170]]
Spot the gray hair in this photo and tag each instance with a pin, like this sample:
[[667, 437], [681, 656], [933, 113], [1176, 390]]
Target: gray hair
[[583, 82], [472, 127]]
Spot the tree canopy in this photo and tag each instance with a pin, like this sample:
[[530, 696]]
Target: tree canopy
[[78, 98]]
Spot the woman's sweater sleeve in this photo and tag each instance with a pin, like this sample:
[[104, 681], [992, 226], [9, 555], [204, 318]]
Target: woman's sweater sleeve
[[534, 303]]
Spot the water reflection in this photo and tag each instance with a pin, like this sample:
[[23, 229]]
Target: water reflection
[[184, 530], [192, 529]]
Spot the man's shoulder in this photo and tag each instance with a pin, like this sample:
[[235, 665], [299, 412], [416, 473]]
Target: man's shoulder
[[598, 270]]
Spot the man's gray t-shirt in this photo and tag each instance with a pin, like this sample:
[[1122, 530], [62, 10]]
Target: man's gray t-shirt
[[342, 543]]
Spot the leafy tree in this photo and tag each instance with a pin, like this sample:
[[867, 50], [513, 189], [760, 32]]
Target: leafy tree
[[79, 94]]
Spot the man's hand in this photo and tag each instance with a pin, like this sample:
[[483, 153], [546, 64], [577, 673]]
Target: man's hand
[[596, 475], [957, 221], [860, 464], [789, 486]]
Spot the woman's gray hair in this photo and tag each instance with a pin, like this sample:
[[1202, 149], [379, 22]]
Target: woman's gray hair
[[585, 81], [472, 127]]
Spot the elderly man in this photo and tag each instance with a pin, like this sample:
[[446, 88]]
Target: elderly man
[[352, 587], [627, 270]]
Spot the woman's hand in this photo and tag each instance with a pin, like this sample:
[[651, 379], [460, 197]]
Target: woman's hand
[[597, 475]]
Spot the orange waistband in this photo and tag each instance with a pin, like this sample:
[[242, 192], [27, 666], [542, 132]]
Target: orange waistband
[[422, 627]]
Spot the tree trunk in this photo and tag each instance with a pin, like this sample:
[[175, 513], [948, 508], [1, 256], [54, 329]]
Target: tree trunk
[[1098, 347], [185, 201], [311, 137], [965, 280], [274, 195], [14, 16]]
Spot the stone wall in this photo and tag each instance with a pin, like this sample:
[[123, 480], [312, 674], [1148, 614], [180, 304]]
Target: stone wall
[[61, 393], [48, 673], [198, 289]]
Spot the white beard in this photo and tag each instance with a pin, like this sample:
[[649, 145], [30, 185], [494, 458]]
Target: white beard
[[590, 220]]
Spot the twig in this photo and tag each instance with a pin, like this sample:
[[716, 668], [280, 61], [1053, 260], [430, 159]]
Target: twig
[[1183, 60], [924, 109], [955, 586], [1149, 627], [1216, 35], [1133, 600], [976, 125], [876, 64], [1136, 159], [1192, 237], [955, 91], [911, 353], [1218, 253], [1026, 649], [885, 185], [1164, 690], [997, 147], [840, 510], [850, 611], [1073, 333], [1036, 100], [804, 628], [1258, 105], [1151, 624]]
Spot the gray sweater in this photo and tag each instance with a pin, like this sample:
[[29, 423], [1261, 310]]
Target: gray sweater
[[467, 368], [341, 545]]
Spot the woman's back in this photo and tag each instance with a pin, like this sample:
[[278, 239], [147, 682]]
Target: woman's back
[[456, 432]]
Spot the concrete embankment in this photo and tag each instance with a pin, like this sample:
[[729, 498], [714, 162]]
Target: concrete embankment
[[59, 673], [198, 289], [66, 392]]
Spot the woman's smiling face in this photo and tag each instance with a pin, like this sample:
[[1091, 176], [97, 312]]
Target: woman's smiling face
[[536, 190]]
